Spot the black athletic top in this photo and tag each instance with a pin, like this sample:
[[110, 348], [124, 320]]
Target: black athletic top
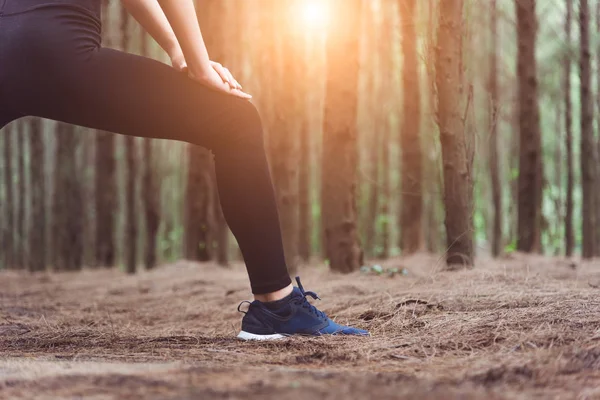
[[8, 7]]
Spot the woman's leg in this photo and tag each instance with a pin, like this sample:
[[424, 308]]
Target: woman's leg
[[132, 95]]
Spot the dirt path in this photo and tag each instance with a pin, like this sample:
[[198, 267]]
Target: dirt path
[[521, 328]]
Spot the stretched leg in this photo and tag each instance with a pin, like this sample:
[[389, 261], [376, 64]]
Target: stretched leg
[[132, 95]]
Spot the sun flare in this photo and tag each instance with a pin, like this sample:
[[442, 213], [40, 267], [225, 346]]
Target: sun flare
[[314, 13]]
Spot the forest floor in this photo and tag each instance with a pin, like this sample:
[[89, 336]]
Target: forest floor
[[519, 328]]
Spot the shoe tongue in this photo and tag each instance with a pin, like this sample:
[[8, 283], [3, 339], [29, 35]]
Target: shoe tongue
[[296, 292]]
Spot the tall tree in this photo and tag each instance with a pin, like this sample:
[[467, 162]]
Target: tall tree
[[21, 253], [339, 158], [37, 223], [493, 142], [375, 142], [105, 182], [8, 224], [588, 162], [433, 177], [411, 202], [67, 210], [530, 157], [222, 229], [370, 68], [199, 226], [597, 110], [304, 164], [457, 174], [150, 187], [198, 205], [387, 106], [131, 174], [284, 124], [568, 133]]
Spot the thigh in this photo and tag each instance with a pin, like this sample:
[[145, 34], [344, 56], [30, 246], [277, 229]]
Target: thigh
[[133, 95]]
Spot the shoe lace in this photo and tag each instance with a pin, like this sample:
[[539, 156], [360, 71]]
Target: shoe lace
[[306, 304]]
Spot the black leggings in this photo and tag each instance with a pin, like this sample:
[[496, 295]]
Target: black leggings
[[52, 66]]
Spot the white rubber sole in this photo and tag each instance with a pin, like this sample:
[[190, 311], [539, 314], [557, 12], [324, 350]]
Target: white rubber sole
[[251, 336]]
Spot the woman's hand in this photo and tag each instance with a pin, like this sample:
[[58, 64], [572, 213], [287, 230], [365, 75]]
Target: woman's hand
[[219, 78]]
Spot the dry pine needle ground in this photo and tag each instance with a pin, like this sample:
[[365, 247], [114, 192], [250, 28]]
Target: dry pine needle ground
[[523, 327]]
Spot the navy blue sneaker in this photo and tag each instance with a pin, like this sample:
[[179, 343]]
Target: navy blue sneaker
[[293, 315]]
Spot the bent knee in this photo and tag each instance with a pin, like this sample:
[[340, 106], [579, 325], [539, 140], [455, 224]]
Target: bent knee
[[243, 125]]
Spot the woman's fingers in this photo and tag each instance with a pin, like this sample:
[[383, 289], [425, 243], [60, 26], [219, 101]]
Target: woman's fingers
[[236, 84], [226, 75], [223, 74], [216, 81], [239, 93]]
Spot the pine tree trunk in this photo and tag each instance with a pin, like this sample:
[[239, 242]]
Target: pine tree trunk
[[411, 203], [106, 199], [588, 161], [67, 213], [8, 224], [568, 136], [21, 254], [386, 197], [105, 182], [374, 173], [198, 205], [131, 174], [221, 49], [37, 222], [305, 215], [530, 164], [387, 106], [597, 186], [457, 177], [284, 130], [221, 229], [304, 164], [431, 167], [151, 201], [150, 189], [130, 209], [493, 142], [339, 160]]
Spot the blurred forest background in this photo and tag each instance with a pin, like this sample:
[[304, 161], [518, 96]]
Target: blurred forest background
[[459, 127]]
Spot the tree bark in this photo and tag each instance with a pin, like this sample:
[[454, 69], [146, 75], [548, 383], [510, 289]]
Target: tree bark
[[21, 253], [411, 202], [131, 174], [457, 175], [284, 127], [569, 242], [369, 67], [304, 165], [339, 159], [597, 163], [304, 212], [530, 161], [150, 188], [218, 43], [105, 182], [588, 162], [8, 225], [198, 205], [131, 230], [67, 213], [37, 222], [221, 229], [493, 142]]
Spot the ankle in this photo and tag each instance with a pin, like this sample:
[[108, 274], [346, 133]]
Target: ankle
[[274, 296]]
